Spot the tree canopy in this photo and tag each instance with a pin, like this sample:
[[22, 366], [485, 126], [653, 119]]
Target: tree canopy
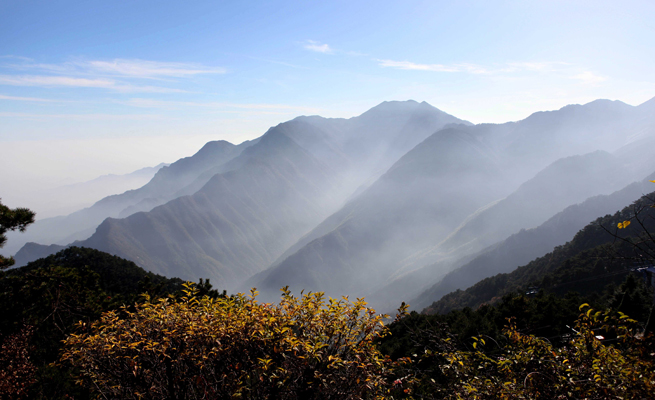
[[11, 220]]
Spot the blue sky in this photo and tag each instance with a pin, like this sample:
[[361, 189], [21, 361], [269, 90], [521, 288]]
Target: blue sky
[[92, 87]]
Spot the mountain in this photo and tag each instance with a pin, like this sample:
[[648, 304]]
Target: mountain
[[526, 245], [569, 180], [357, 252], [387, 229], [593, 256], [162, 187], [67, 199], [235, 224], [256, 205]]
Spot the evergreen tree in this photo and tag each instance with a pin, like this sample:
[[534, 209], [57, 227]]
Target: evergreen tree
[[10, 220]]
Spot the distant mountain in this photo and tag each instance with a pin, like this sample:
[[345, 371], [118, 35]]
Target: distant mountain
[[566, 181], [162, 187], [235, 224], [590, 255], [366, 238], [70, 198], [252, 208], [432, 190]]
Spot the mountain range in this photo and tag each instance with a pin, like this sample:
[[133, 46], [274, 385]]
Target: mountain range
[[401, 202]]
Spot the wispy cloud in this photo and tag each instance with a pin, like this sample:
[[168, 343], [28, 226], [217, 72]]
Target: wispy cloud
[[589, 78], [119, 75], [41, 80], [565, 69], [35, 99], [465, 67], [13, 57], [148, 69], [58, 81], [313, 45], [105, 117], [407, 65]]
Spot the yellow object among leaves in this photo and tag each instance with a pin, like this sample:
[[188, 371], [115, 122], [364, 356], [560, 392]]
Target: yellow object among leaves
[[623, 224]]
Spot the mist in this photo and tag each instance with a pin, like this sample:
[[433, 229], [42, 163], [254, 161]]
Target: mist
[[382, 205]]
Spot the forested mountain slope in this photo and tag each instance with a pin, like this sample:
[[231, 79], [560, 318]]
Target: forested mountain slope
[[595, 256], [48, 297]]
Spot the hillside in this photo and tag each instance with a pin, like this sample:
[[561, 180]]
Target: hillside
[[427, 196], [593, 256], [567, 181], [52, 294], [162, 187]]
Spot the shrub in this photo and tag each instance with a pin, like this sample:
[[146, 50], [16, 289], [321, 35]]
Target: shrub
[[233, 347]]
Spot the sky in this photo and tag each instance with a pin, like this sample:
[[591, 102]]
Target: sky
[[95, 87]]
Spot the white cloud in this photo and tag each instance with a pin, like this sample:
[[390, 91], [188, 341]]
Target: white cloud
[[317, 47], [40, 80], [535, 66], [12, 57], [508, 68], [120, 75], [407, 65], [54, 81], [17, 98], [589, 78], [148, 69], [92, 117]]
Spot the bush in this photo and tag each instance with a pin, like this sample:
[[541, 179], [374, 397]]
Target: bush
[[233, 347]]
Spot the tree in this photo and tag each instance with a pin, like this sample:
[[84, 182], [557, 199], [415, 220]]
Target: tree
[[233, 347], [11, 220]]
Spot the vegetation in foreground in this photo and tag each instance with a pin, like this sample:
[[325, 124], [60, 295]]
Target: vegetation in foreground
[[198, 344]]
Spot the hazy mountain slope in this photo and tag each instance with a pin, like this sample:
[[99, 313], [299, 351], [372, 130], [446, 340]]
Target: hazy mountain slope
[[426, 195], [371, 143], [567, 181], [166, 182], [362, 251], [239, 222], [504, 258], [236, 224], [171, 181]]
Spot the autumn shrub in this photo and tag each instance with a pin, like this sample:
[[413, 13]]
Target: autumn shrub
[[607, 357], [233, 347]]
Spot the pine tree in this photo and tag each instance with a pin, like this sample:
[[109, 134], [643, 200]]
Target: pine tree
[[10, 220]]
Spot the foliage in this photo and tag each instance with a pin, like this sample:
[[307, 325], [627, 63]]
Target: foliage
[[605, 358], [11, 220], [233, 347], [51, 295], [589, 367], [16, 368]]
